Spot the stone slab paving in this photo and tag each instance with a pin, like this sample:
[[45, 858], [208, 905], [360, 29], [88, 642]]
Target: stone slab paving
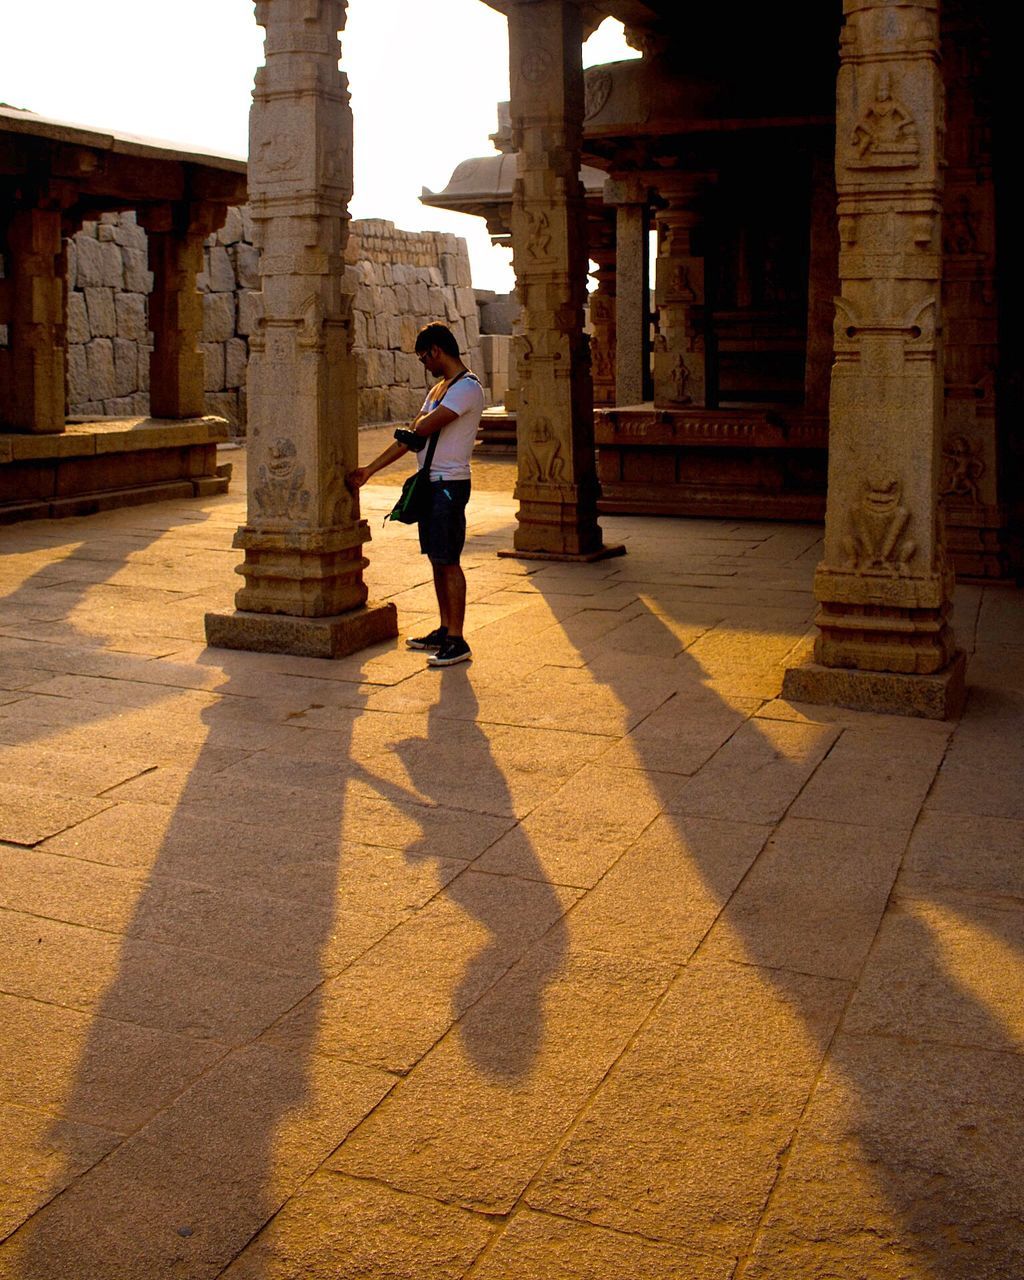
[[591, 959]]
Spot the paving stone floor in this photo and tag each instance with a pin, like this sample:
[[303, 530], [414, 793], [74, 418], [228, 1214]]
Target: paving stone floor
[[589, 960]]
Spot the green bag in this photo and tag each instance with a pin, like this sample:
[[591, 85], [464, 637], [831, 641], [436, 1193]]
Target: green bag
[[414, 500]]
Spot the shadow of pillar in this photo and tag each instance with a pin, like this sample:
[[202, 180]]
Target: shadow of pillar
[[208, 1129], [806, 1116]]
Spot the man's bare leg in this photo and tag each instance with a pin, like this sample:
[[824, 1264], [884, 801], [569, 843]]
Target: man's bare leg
[[450, 587]]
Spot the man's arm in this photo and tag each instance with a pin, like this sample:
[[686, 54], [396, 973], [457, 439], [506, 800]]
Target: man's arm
[[430, 423], [426, 425], [358, 476]]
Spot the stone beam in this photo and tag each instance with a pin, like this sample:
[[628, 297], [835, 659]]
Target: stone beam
[[303, 537], [557, 487], [884, 586]]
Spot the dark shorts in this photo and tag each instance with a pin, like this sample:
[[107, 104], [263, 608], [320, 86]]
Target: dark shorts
[[443, 532]]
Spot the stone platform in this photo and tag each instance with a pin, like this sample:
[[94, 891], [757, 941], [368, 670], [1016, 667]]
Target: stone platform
[[737, 462], [98, 464], [591, 958]]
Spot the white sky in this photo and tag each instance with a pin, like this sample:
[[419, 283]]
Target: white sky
[[425, 79]]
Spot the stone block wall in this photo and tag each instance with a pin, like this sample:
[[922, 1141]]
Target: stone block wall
[[403, 280]]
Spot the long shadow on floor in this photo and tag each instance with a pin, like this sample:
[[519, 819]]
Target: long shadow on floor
[[907, 1157], [220, 1061], [233, 920]]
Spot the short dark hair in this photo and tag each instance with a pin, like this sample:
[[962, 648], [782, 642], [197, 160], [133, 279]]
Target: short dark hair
[[437, 335]]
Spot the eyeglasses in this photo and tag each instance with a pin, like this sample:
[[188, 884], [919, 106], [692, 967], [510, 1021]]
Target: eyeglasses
[[424, 356]]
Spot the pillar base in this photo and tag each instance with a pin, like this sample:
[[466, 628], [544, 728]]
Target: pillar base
[[333, 637], [565, 557], [933, 697]]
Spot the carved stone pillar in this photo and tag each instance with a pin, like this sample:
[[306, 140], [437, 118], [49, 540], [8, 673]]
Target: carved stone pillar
[[884, 585], [632, 291], [303, 538], [681, 354], [557, 487], [176, 234], [601, 246], [33, 310]]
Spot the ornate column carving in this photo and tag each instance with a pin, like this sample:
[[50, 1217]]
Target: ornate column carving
[[176, 234], [34, 362], [632, 291], [303, 538], [557, 488], [681, 353], [884, 586]]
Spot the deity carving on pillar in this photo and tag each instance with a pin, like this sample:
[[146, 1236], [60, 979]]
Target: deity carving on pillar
[[879, 520], [885, 136]]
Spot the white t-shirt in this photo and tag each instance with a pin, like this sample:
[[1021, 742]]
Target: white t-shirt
[[455, 441]]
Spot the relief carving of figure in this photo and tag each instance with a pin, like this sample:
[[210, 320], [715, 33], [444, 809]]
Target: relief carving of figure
[[877, 543], [679, 380], [277, 155], [279, 492], [597, 87], [886, 135], [962, 468], [542, 460], [601, 359], [538, 239], [312, 332], [681, 285]]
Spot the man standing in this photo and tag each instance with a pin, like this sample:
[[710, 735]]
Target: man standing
[[453, 407]]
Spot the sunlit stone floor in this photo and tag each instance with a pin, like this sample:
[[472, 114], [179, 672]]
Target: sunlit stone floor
[[591, 959]]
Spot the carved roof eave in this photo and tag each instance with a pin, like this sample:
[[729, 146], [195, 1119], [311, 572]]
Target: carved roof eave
[[86, 172], [486, 181], [28, 124]]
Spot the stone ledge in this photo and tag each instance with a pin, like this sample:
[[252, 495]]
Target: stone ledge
[[936, 697], [87, 437], [334, 637], [88, 504]]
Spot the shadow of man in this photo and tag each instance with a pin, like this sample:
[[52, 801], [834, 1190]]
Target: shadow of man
[[512, 911]]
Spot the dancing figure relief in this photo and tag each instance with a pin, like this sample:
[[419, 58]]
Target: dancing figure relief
[[962, 468]]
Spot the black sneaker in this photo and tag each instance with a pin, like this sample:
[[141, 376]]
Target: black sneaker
[[432, 641], [453, 650]]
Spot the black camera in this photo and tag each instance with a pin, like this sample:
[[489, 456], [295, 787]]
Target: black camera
[[410, 439]]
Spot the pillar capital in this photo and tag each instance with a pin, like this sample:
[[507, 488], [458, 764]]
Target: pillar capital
[[627, 189]]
